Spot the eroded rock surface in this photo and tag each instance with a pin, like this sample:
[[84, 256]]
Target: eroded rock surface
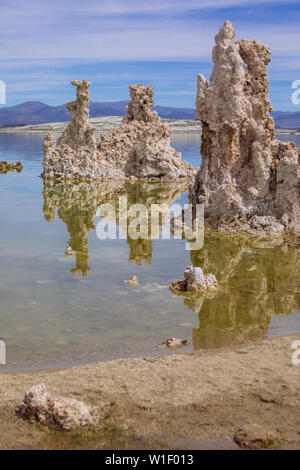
[[175, 343], [195, 280], [132, 281], [56, 412], [254, 436], [76, 155], [140, 148], [248, 181]]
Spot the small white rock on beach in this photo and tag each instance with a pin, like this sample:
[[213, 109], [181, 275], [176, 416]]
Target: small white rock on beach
[[56, 412]]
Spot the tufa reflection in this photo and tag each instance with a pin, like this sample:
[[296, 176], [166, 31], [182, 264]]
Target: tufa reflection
[[256, 282], [77, 206]]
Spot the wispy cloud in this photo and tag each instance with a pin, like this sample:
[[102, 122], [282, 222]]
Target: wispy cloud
[[114, 30], [46, 43]]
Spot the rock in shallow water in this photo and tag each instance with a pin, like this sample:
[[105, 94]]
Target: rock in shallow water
[[56, 412], [132, 280], [175, 343], [195, 280], [69, 252]]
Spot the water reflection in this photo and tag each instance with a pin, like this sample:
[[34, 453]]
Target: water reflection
[[77, 205], [9, 167], [50, 318], [256, 281]]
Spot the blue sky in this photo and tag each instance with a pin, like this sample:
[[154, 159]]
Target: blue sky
[[114, 43]]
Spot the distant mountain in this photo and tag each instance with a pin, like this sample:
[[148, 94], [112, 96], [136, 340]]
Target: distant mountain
[[109, 108], [32, 112], [35, 112], [286, 119]]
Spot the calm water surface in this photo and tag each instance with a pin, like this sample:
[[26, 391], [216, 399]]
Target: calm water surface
[[58, 311]]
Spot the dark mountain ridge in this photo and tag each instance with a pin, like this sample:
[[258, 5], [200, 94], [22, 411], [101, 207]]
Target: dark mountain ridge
[[36, 112]]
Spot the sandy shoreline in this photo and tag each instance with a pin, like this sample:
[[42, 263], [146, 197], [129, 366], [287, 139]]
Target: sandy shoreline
[[173, 401], [107, 123]]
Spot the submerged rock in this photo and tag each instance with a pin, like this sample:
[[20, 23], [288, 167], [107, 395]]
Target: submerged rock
[[175, 343], [6, 167], [140, 148], [253, 436], [195, 280], [56, 412], [132, 281], [248, 180]]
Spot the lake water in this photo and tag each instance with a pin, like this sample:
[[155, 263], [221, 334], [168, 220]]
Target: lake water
[[57, 311]]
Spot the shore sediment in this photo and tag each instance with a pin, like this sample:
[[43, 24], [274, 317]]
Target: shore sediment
[[108, 123], [196, 399]]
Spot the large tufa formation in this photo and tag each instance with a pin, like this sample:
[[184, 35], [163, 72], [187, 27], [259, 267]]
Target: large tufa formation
[[76, 154], [139, 148], [248, 181]]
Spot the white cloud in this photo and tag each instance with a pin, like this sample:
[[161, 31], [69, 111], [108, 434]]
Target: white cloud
[[164, 41], [71, 8], [125, 29], [42, 41]]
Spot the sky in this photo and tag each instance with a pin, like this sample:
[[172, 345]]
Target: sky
[[114, 43]]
